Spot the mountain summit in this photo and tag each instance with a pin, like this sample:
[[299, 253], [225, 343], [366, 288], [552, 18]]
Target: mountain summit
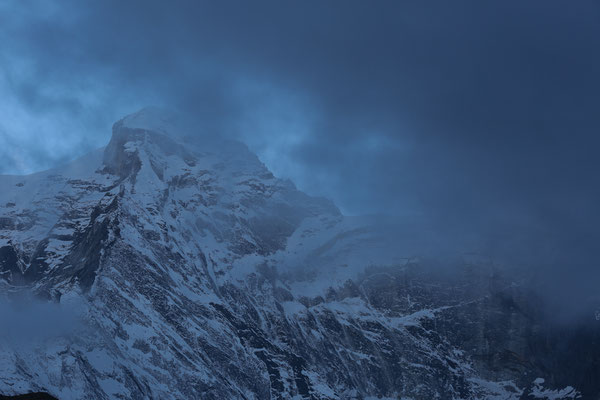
[[184, 269]]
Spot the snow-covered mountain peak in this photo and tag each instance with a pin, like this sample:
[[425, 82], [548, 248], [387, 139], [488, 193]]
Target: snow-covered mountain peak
[[197, 274], [183, 128], [162, 134], [151, 118]]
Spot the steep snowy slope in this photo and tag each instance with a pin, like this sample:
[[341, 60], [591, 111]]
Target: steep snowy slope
[[182, 268]]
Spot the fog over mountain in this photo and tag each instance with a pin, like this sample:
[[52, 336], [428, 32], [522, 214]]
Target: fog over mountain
[[450, 129]]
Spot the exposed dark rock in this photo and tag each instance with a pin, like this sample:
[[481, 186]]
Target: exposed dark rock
[[29, 396]]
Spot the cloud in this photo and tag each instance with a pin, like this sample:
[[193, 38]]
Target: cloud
[[477, 118], [32, 322]]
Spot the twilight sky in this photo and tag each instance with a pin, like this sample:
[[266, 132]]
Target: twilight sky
[[478, 117]]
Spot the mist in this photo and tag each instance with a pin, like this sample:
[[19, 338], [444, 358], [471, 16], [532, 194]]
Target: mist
[[29, 322]]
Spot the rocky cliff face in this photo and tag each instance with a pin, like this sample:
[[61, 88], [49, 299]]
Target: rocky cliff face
[[171, 265]]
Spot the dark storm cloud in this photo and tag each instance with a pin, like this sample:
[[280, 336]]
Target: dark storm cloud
[[476, 118]]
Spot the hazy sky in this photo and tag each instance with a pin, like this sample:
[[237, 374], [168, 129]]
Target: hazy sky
[[480, 117]]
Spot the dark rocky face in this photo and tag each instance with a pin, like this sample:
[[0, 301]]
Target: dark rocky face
[[29, 396]]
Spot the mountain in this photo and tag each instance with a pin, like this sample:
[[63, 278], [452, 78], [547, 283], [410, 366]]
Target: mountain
[[173, 264]]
